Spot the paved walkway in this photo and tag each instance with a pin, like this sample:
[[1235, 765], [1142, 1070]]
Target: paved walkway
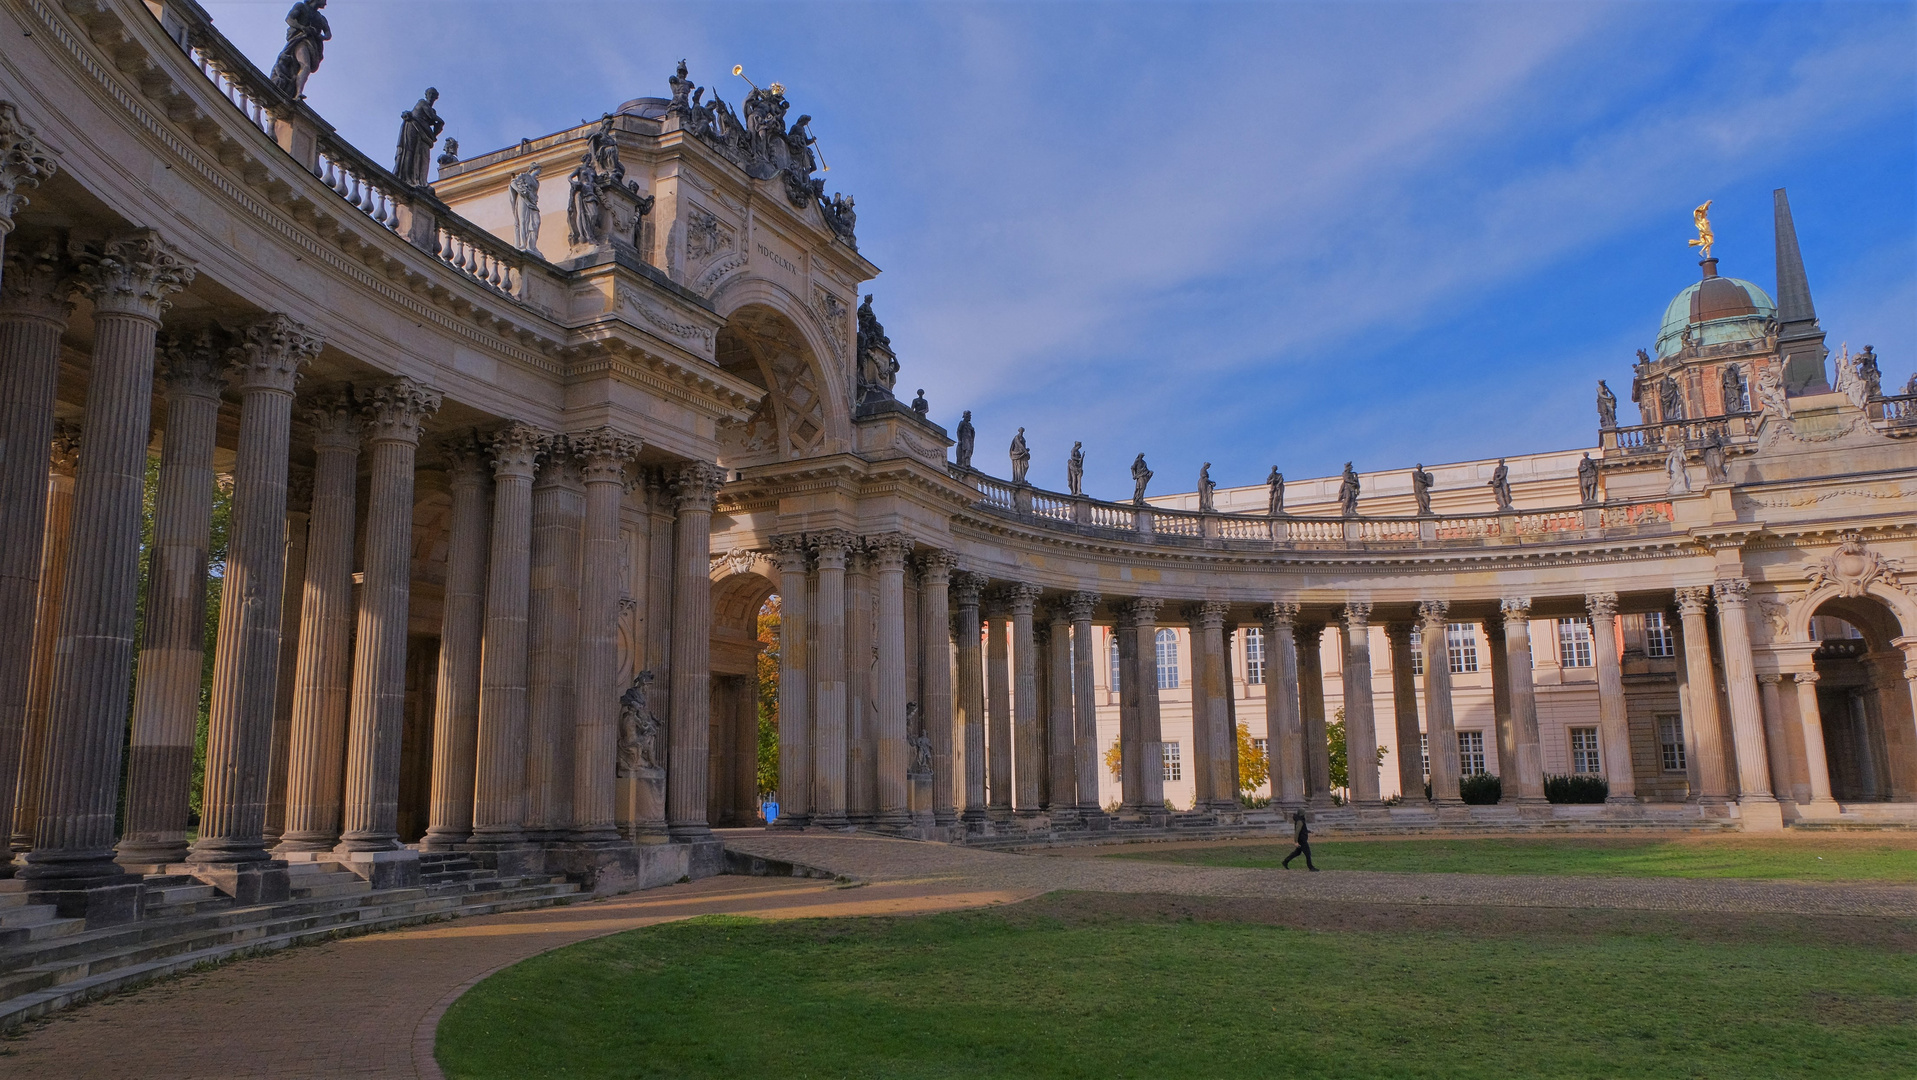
[[368, 1007]]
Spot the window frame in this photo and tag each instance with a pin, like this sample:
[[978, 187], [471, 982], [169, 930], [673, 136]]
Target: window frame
[[1575, 651], [1659, 642], [1174, 764], [1586, 751], [1255, 656], [1164, 642], [1672, 755], [1461, 647], [1470, 750]]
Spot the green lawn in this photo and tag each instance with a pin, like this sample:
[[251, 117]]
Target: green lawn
[[1892, 859], [1094, 986]]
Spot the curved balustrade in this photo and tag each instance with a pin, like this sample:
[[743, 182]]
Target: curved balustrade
[[1735, 427]]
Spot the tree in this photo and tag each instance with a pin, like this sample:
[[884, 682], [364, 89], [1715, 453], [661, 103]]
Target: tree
[[1335, 737], [1254, 767], [769, 621], [1114, 760]]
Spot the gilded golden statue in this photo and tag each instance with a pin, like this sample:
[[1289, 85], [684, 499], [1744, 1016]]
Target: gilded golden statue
[[1705, 238]]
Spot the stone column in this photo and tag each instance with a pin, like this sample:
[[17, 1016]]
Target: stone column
[[1505, 733], [71, 864], [1524, 702], [1131, 754], [688, 731], [24, 163], [861, 691], [1025, 738], [246, 655], [462, 626], [795, 729], [166, 694], [33, 314], [499, 785], [894, 757], [935, 675], [322, 680], [1151, 732], [604, 455], [1708, 733], [1311, 712], [970, 697], [1404, 711], [828, 744], [1284, 730], [998, 692], [25, 800], [1613, 726], [1440, 727], [1747, 718], [1361, 722], [299, 505], [1907, 645], [1212, 685], [1084, 690], [394, 412], [552, 629], [1815, 761], [1061, 757], [1770, 696]]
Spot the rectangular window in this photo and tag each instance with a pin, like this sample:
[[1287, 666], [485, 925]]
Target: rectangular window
[[1167, 660], [1574, 643], [1657, 635], [1172, 771], [1670, 742], [1471, 752], [1424, 752], [1417, 652], [1584, 751], [1116, 682], [1263, 746], [1461, 641], [1255, 655]]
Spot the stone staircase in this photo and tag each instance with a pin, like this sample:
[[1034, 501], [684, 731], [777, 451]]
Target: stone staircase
[[47, 963]]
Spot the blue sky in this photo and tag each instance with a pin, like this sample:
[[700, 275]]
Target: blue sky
[[1250, 233]]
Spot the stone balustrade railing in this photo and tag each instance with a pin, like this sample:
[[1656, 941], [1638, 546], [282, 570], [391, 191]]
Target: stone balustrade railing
[[360, 182], [1651, 438], [1898, 409], [1151, 524]]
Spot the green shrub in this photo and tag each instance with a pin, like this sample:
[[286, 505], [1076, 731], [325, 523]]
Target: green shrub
[[1481, 789], [1577, 788]]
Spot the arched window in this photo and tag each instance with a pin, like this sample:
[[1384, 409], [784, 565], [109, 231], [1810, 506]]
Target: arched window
[[1167, 660]]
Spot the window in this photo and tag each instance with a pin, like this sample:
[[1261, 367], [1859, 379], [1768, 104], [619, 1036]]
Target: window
[[1574, 643], [1657, 635], [1172, 771], [1471, 752], [1424, 753], [1670, 742], [1417, 651], [1116, 681], [1263, 746], [1461, 642], [1584, 751], [1255, 655], [1167, 660]]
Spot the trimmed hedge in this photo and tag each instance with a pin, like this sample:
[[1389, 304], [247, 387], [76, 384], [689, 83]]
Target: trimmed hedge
[[1577, 788], [1481, 789]]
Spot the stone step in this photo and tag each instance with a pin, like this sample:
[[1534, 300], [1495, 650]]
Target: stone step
[[35, 922], [339, 883]]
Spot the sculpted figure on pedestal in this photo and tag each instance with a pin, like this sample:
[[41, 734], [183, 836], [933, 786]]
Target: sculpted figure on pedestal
[[1588, 480], [1732, 382], [1713, 454], [582, 204], [1075, 470], [1205, 490], [524, 195], [681, 104], [1021, 457], [1607, 406], [921, 742], [449, 155], [1680, 481], [1770, 392], [1871, 379], [1421, 482], [1141, 475], [1275, 493], [1501, 485], [307, 33], [1670, 400], [1348, 492], [921, 407], [419, 129], [638, 729], [605, 151], [967, 436]]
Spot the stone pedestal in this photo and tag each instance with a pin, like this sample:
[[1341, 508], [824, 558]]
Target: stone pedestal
[[108, 900], [641, 806], [396, 869], [920, 785], [247, 883]]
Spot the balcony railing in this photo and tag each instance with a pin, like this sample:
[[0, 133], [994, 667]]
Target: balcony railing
[[1652, 438]]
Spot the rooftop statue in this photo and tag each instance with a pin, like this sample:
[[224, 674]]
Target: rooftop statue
[[1770, 393], [582, 203], [921, 406], [1421, 482], [1587, 481], [605, 151], [1607, 406], [967, 435], [1141, 475], [1075, 470], [1275, 493], [307, 33], [1868, 374], [419, 129], [1021, 457], [524, 195], [1732, 389], [1680, 481], [1206, 489], [681, 105], [1348, 491], [878, 368], [638, 729], [449, 156], [1714, 470], [1670, 400], [1501, 485], [1700, 217]]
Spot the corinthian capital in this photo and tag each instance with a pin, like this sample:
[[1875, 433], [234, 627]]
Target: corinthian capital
[[1434, 614], [1693, 600], [334, 416], [192, 365], [604, 454], [694, 485], [395, 410], [273, 352], [66, 447], [1081, 605], [133, 274], [1731, 592], [967, 585], [23, 164], [1357, 614], [465, 456], [1601, 605], [791, 552], [516, 449], [1516, 609], [935, 566], [38, 280]]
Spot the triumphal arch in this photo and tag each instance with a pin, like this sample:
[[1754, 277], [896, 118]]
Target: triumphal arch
[[507, 463]]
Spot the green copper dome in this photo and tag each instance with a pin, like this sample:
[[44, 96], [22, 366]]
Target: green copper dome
[[1717, 309]]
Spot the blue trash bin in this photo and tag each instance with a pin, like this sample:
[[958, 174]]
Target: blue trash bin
[[770, 808]]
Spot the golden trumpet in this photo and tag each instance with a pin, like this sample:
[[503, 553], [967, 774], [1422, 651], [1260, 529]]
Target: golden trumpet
[[739, 70]]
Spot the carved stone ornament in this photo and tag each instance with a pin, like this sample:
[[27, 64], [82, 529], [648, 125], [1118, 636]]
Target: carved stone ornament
[[334, 415], [516, 449], [706, 236], [65, 451], [38, 280], [1853, 569], [395, 410], [133, 273], [23, 164], [272, 353], [694, 485], [690, 333], [192, 365], [604, 453], [638, 729]]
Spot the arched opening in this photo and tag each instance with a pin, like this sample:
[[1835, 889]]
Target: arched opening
[[745, 641], [1862, 701], [765, 348]]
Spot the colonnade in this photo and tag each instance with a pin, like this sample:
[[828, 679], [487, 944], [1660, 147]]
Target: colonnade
[[302, 757]]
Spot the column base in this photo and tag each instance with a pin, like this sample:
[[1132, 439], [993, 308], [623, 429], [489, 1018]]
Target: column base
[[306, 841], [1095, 818], [102, 901], [791, 822], [509, 860], [247, 883], [1760, 813], [382, 869], [1819, 809], [689, 832], [442, 840], [138, 856]]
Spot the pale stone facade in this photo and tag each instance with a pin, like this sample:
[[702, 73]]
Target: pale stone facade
[[483, 486]]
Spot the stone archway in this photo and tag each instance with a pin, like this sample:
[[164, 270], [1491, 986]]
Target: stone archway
[[1863, 699], [796, 418], [738, 597]]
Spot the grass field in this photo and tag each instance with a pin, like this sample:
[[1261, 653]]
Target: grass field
[[1877, 857], [1101, 986]]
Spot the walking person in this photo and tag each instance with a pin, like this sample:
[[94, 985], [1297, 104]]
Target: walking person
[[1303, 836]]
